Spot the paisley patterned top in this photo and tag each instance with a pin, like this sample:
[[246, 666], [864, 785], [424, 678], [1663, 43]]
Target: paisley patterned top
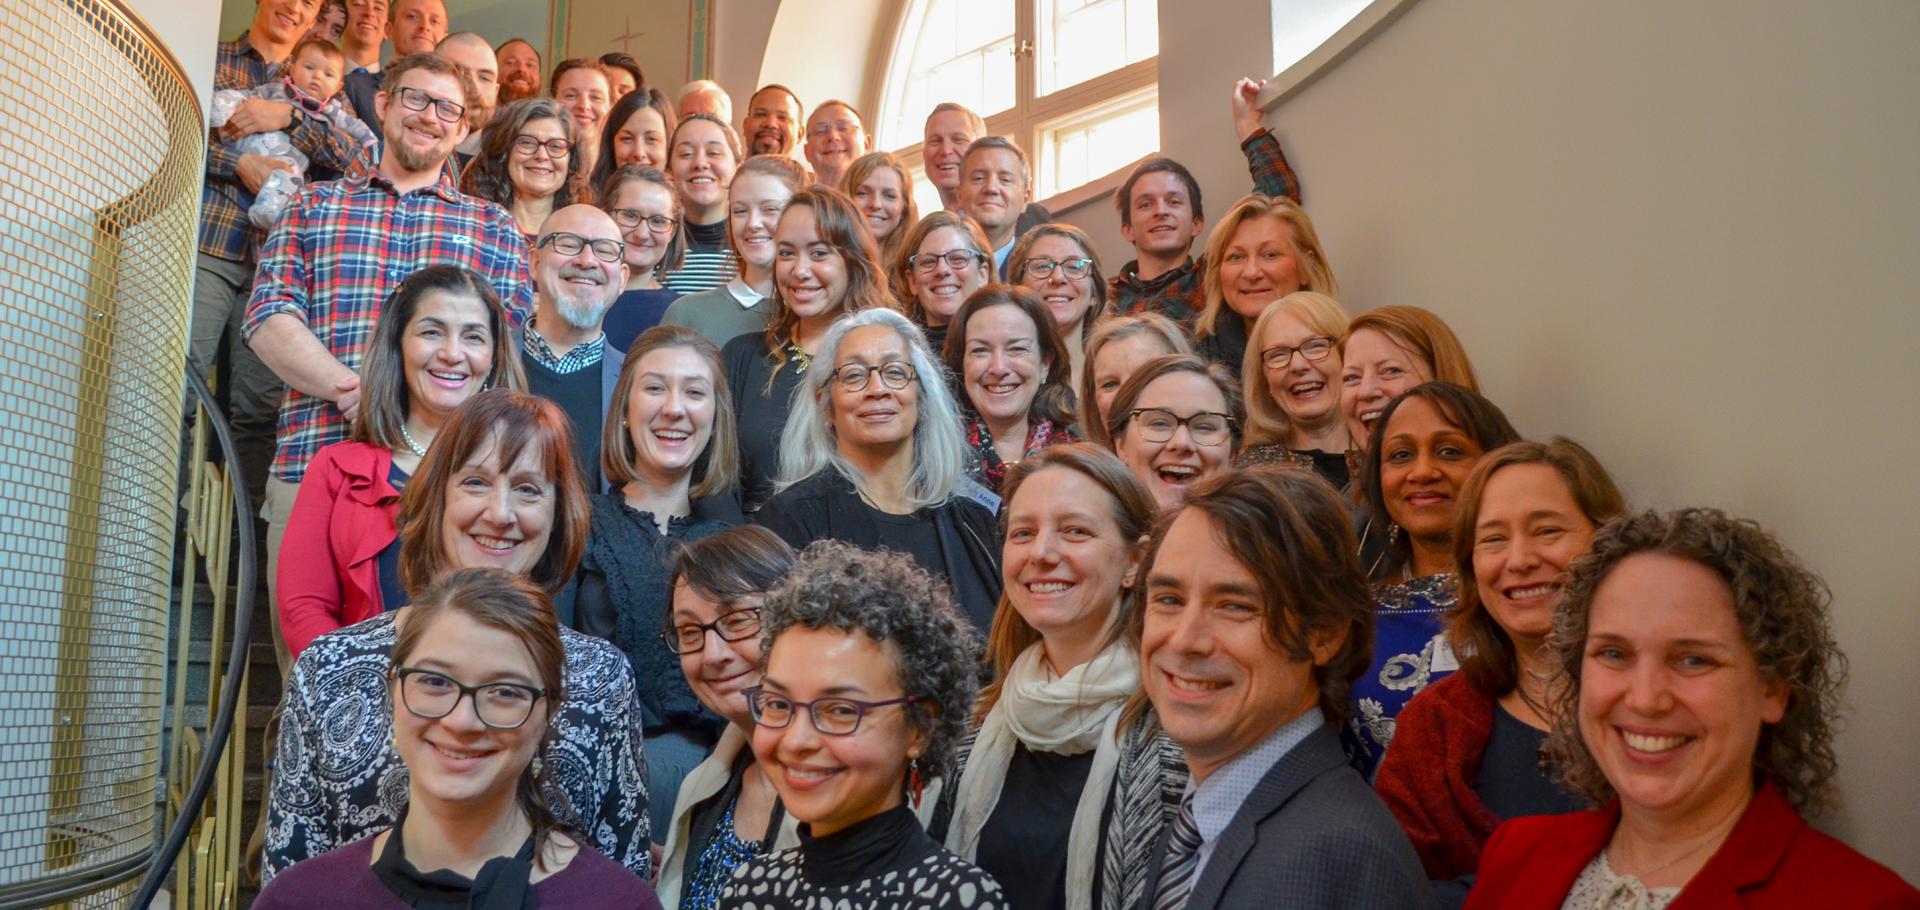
[[336, 777], [1409, 651]]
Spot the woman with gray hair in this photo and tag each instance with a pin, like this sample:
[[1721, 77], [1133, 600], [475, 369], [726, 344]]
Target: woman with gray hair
[[869, 674], [872, 455]]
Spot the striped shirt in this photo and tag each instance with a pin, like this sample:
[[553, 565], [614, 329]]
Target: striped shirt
[[339, 251], [225, 232], [709, 262]]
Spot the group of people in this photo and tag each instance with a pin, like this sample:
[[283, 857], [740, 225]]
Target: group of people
[[664, 512]]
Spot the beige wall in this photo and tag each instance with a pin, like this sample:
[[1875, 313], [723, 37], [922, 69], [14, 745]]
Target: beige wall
[[189, 30], [1684, 234]]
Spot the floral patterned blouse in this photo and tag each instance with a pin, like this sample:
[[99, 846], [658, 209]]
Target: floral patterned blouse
[[988, 468]]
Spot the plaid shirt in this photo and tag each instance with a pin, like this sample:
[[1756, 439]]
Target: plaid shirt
[[339, 251], [225, 232], [1179, 294], [583, 355]]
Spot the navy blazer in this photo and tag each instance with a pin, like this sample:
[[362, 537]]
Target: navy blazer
[[1311, 834]]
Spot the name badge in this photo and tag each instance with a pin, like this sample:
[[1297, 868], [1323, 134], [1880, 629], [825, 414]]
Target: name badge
[[1444, 660]]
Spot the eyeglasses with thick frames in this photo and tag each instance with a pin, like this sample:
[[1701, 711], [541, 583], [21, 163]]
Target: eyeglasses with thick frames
[[831, 716], [567, 244], [734, 625], [1207, 428], [628, 219], [1072, 268], [414, 99], [957, 260], [894, 374], [528, 144], [1314, 349], [430, 696]]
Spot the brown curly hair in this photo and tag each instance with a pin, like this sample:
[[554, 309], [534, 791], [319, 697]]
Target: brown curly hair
[[1782, 610]]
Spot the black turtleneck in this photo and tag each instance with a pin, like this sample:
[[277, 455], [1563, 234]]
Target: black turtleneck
[[887, 862]]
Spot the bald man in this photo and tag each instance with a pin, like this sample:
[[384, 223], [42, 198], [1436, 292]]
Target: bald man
[[579, 269], [705, 96]]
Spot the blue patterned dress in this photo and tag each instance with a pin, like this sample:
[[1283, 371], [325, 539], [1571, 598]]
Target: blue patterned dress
[[1409, 651]]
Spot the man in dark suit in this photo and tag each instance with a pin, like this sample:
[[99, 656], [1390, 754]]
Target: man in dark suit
[[1257, 621], [414, 27]]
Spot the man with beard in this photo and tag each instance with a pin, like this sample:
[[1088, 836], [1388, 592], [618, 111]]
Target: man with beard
[[835, 137], [414, 27], [580, 268], [519, 70], [343, 245], [774, 116]]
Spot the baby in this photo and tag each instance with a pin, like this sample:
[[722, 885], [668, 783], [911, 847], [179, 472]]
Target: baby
[[312, 83]]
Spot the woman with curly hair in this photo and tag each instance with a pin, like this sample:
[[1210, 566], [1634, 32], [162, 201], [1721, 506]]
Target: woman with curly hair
[[870, 674], [1701, 688], [1466, 750]]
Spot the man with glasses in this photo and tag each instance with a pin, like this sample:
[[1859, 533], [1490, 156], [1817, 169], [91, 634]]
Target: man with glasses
[[341, 248], [1160, 215], [835, 137], [1257, 621], [580, 268]]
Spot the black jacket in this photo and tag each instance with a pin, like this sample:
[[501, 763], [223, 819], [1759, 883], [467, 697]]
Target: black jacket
[[827, 507]]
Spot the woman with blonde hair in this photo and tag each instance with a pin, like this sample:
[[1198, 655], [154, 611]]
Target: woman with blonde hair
[[1116, 347], [879, 184], [761, 189], [1292, 388], [1262, 250], [1388, 350]]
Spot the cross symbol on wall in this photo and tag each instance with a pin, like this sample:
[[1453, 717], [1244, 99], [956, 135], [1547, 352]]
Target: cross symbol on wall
[[626, 38]]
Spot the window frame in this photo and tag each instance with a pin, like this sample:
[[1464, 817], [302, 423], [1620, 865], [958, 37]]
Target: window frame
[[1032, 116]]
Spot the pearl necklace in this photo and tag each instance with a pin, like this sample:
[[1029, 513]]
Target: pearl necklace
[[417, 448]]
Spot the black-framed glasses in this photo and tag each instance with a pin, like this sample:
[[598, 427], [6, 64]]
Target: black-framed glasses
[[1207, 428], [733, 625], [628, 219], [1072, 268], [432, 695], [1315, 349], [957, 260], [894, 374], [527, 144], [414, 99], [569, 244], [831, 716]]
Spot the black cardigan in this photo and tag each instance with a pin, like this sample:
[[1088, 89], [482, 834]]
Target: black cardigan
[[827, 507]]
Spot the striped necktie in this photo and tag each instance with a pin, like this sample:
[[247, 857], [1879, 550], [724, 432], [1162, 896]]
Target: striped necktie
[[1182, 863]]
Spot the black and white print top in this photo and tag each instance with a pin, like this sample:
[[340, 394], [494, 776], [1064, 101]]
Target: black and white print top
[[336, 777], [886, 862]]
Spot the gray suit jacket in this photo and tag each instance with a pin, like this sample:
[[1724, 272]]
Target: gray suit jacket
[[1311, 835]]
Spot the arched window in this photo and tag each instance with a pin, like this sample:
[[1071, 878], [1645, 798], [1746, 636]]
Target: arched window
[[1074, 82]]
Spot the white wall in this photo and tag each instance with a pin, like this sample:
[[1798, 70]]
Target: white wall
[[1681, 233], [190, 29]]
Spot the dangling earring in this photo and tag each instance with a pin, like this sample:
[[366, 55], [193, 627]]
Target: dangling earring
[[915, 783], [538, 766], [1393, 533]]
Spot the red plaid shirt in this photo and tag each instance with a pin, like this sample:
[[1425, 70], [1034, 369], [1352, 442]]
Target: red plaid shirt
[[1180, 294], [225, 231], [339, 251]]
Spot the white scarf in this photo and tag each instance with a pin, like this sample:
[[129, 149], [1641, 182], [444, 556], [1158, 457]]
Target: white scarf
[[1072, 714]]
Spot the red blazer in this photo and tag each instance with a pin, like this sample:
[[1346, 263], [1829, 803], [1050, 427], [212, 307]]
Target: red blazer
[[342, 518], [1773, 859], [1427, 776]]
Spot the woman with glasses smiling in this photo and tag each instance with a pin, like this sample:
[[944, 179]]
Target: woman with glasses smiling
[[869, 676], [475, 682], [1293, 388], [872, 455], [526, 163], [1175, 421], [727, 811], [942, 261], [643, 205], [1056, 261]]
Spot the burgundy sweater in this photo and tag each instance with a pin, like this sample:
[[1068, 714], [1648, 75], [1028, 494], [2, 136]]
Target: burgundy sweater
[[344, 878], [1428, 775]]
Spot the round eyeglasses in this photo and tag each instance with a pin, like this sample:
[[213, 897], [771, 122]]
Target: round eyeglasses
[[528, 144], [628, 219], [928, 263], [831, 716], [500, 705], [1207, 428], [1314, 349], [853, 377]]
